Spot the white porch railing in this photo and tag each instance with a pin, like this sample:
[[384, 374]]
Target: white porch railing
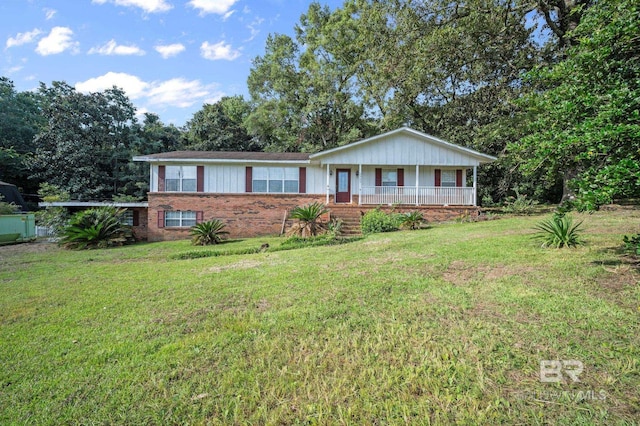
[[426, 195]]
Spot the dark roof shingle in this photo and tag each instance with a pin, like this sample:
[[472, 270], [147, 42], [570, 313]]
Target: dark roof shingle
[[227, 155]]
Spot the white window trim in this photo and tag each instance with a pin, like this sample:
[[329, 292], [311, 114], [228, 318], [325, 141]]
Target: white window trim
[[182, 219], [181, 179], [269, 171], [385, 172], [448, 183]]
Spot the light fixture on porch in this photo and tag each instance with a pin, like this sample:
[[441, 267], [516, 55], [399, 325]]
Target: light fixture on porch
[[330, 172], [357, 173]]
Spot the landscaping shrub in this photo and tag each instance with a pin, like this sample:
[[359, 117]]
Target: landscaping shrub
[[412, 220], [207, 233], [307, 220], [632, 244], [559, 231], [519, 204], [96, 228], [376, 220]]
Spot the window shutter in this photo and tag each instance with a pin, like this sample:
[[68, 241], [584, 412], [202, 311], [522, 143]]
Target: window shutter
[[200, 179], [459, 177], [400, 177], [199, 215], [378, 177], [438, 177], [302, 180], [161, 175], [160, 219], [136, 218], [249, 179]]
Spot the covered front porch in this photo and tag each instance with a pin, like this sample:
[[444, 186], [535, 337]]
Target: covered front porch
[[401, 185]]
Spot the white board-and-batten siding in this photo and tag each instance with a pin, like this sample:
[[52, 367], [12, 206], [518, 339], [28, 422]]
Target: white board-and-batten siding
[[400, 149], [230, 178]]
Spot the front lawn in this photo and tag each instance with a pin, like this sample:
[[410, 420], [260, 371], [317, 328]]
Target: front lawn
[[445, 325]]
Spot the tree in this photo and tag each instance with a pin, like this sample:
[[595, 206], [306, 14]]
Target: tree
[[585, 128], [220, 127], [20, 120], [85, 146]]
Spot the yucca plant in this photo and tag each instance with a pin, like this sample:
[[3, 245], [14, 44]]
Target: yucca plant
[[96, 228], [412, 220], [308, 220], [207, 233], [559, 231]]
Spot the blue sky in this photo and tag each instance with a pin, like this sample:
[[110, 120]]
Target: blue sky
[[170, 56]]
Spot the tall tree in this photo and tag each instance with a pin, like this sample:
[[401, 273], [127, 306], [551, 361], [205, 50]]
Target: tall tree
[[585, 127], [85, 146], [220, 127], [20, 120]]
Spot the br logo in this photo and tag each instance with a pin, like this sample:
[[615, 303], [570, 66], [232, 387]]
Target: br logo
[[554, 371]]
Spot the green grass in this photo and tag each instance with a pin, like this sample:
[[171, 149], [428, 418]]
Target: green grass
[[440, 326]]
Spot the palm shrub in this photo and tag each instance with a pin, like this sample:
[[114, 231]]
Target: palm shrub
[[207, 233], [559, 231], [101, 227], [412, 220], [308, 220]]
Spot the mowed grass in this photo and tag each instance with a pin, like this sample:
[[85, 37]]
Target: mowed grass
[[446, 325]]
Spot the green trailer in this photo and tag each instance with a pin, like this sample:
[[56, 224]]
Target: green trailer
[[17, 228]]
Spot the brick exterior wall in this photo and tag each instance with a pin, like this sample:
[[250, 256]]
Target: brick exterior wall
[[140, 230], [253, 215], [246, 215]]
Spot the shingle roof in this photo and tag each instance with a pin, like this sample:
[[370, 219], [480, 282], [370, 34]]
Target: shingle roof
[[226, 155]]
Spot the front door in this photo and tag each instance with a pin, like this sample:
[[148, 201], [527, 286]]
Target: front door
[[343, 186]]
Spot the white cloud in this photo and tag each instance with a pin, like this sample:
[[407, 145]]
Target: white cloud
[[228, 15], [58, 40], [23, 38], [176, 92], [253, 27], [219, 7], [111, 48], [13, 70], [169, 50], [132, 85], [179, 92], [149, 6], [217, 51], [49, 13]]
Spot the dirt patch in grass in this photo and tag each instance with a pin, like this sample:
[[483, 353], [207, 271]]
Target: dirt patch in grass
[[243, 264], [462, 273]]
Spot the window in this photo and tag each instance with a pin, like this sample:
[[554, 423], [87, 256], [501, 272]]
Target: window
[[448, 178], [275, 179], [180, 178], [389, 177], [127, 218], [179, 219]]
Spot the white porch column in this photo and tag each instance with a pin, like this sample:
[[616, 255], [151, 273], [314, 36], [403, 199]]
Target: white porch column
[[359, 184], [475, 185], [417, 184], [328, 182]]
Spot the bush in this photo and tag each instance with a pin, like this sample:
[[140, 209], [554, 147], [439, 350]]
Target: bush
[[632, 244], [96, 228], [519, 204], [376, 220], [412, 220], [207, 233], [559, 231], [308, 220]]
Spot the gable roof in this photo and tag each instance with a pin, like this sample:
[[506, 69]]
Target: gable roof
[[225, 156], [482, 158]]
